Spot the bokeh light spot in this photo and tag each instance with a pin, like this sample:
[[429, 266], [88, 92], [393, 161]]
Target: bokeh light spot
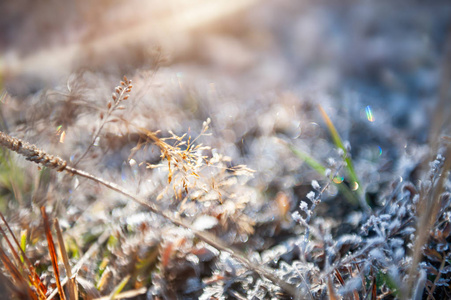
[[338, 179], [369, 114]]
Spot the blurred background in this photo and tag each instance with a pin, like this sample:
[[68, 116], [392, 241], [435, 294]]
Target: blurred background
[[257, 68], [385, 52]]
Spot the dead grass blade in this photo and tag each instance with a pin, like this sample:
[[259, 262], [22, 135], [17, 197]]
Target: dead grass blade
[[88, 254], [331, 289], [72, 284], [20, 282], [374, 289], [52, 252], [127, 294], [339, 277], [33, 277], [11, 247]]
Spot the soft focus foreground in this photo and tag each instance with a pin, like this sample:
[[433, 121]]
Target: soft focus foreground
[[310, 143]]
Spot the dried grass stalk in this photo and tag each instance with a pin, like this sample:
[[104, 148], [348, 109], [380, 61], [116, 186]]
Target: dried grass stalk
[[32, 153], [52, 252], [72, 284]]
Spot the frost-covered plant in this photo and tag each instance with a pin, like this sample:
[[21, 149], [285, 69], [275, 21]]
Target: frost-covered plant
[[121, 93]]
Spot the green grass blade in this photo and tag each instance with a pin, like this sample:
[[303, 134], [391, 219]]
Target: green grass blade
[[119, 287], [321, 170], [339, 144], [314, 164], [23, 243]]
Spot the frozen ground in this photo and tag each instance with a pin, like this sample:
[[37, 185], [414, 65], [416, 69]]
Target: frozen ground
[[261, 72]]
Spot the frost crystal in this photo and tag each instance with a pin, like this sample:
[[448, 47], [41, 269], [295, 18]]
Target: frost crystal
[[349, 239], [347, 146], [316, 185], [303, 206], [311, 196], [331, 161], [377, 254], [296, 216], [327, 172], [353, 284]]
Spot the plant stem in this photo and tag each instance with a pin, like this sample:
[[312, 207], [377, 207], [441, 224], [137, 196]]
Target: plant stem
[[32, 153]]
